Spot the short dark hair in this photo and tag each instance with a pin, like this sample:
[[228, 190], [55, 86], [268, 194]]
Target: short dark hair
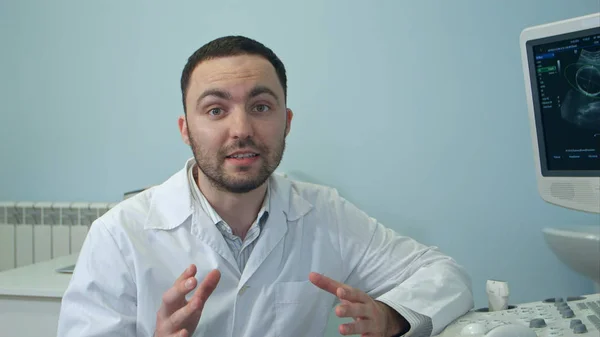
[[231, 46]]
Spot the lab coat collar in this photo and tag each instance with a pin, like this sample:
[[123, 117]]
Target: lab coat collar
[[171, 202]]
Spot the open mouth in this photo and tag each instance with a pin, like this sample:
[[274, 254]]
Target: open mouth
[[242, 155], [243, 158]]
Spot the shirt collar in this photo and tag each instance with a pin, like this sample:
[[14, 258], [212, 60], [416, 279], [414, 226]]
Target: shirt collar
[[171, 203], [200, 200]]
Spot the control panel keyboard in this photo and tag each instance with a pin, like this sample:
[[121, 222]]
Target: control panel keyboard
[[553, 317]]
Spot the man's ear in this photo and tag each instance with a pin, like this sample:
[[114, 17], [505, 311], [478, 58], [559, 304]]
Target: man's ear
[[288, 120], [183, 129]]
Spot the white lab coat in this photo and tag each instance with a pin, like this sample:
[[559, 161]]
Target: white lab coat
[[134, 253]]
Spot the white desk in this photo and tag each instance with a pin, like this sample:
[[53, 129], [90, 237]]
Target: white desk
[[30, 298]]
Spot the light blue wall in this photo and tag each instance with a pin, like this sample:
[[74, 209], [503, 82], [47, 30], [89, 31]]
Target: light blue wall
[[415, 110]]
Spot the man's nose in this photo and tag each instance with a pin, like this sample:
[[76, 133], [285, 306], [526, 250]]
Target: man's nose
[[241, 124]]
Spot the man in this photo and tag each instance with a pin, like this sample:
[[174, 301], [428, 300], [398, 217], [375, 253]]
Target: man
[[226, 248]]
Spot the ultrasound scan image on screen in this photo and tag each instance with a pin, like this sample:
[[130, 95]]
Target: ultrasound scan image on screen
[[567, 77]]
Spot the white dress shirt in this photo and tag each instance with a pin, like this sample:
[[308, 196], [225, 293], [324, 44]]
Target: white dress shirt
[[241, 249], [134, 253]]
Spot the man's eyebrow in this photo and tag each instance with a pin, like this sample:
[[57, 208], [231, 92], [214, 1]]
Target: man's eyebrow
[[256, 91], [213, 92], [261, 89]]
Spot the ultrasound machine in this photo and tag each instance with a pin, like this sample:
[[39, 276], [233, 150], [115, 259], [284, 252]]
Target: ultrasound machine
[[561, 66]]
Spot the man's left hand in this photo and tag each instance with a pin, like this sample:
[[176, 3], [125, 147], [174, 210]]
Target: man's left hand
[[371, 318]]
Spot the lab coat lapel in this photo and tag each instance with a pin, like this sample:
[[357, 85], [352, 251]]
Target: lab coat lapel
[[285, 205], [172, 204], [272, 233], [207, 231]]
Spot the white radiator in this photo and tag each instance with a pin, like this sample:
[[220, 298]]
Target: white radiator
[[34, 232]]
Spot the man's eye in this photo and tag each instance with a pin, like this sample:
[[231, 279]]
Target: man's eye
[[215, 111], [261, 108]]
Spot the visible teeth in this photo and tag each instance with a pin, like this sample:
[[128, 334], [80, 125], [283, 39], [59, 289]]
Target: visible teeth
[[244, 155]]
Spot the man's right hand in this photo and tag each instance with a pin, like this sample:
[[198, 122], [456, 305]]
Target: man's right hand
[[178, 317]]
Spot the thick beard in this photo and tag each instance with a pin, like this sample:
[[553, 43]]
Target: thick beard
[[213, 167]]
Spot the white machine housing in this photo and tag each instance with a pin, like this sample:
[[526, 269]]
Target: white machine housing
[[574, 189], [576, 316]]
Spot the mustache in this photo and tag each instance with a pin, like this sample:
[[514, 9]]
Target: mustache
[[243, 144]]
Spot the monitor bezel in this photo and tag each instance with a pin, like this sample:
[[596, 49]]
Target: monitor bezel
[[537, 111]]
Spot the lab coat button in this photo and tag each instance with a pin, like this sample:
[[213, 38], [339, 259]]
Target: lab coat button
[[242, 290]]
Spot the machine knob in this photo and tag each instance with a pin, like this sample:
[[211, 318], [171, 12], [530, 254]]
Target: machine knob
[[498, 293], [537, 323], [580, 328], [574, 322], [567, 313], [563, 310]]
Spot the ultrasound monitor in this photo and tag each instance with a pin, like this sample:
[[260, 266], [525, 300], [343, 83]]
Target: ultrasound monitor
[[561, 65]]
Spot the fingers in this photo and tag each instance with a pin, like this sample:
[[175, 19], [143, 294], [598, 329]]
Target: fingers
[[325, 283], [176, 316], [352, 295], [207, 286], [196, 303], [355, 310], [174, 297], [356, 327], [342, 291], [354, 303], [190, 271], [179, 317]]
